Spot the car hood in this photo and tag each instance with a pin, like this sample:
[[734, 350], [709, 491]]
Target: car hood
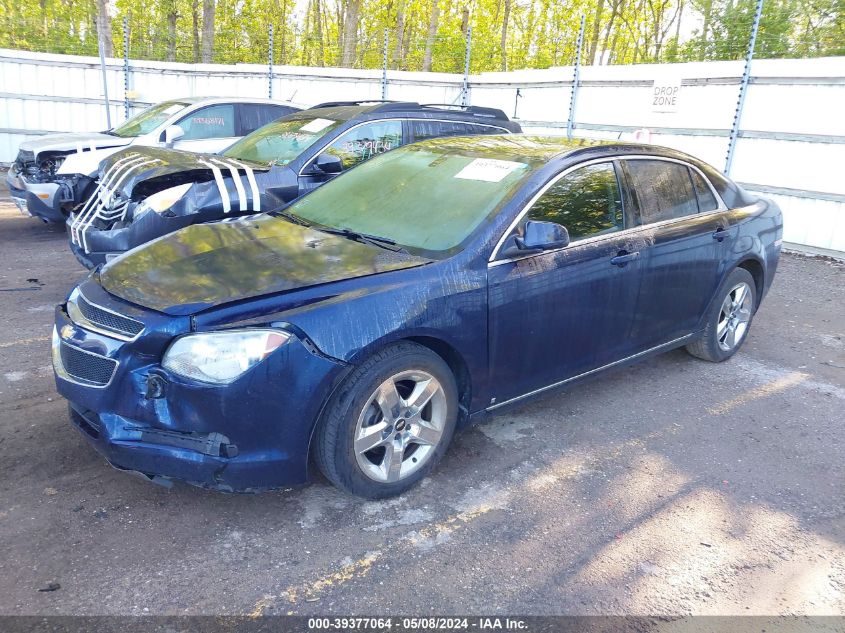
[[155, 169], [77, 142], [207, 265]]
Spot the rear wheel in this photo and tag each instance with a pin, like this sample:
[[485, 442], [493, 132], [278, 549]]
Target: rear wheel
[[389, 422], [728, 320]]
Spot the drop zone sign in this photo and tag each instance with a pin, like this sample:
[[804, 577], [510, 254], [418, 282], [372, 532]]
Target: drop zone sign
[[665, 94]]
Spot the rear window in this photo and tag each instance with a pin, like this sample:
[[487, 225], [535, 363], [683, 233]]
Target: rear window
[[663, 190], [706, 199]]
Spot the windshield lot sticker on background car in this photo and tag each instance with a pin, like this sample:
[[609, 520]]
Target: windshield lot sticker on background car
[[488, 169], [317, 125]]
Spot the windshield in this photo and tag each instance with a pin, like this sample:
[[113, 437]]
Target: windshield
[[278, 143], [148, 120], [425, 198]]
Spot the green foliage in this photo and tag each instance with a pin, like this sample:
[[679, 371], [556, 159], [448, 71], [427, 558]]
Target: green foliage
[[538, 33]]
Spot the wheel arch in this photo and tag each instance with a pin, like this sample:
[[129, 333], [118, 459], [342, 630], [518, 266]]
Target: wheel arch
[[758, 273], [457, 364]]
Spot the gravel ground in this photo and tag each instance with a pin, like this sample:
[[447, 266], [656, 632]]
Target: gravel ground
[[673, 487]]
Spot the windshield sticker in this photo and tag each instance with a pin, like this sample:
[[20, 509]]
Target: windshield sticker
[[488, 169], [317, 125]]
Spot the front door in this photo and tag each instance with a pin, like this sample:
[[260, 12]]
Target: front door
[[558, 314]]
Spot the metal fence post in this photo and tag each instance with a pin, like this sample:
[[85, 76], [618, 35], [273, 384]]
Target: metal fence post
[[270, 63], [743, 88], [576, 77], [465, 88], [384, 68], [125, 67], [103, 70]]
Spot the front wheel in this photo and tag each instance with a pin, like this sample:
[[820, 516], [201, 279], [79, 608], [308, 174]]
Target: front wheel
[[389, 422], [729, 319]]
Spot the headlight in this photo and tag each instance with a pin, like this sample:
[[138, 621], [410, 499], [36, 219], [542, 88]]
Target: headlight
[[220, 357], [163, 200]]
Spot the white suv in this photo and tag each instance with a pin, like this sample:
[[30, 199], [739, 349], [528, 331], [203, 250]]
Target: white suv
[[55, 173]]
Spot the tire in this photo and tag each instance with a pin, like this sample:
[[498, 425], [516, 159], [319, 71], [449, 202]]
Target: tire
[[728, 319], [366, 409]]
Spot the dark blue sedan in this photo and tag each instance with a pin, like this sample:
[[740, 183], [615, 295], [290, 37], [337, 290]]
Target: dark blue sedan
[[413, 295]]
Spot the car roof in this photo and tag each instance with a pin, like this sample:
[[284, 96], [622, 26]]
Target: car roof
[[347, 110], [264, 100], [537, 151]]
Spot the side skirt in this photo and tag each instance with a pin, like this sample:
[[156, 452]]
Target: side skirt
[[659, 349]]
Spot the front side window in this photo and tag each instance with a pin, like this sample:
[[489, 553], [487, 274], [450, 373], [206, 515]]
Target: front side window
[[586, 201], [217, 121], [148, 120], [366, 141], [663, 189], [281, 141]]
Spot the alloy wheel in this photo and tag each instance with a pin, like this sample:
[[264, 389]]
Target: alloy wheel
[[734, 316], [400, 426]]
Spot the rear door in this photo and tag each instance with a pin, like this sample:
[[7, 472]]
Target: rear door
[[685, 241]]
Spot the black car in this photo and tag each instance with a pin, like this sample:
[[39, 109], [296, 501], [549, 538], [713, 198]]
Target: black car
[[148, 192]]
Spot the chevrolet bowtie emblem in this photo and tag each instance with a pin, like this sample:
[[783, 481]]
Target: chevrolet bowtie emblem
[[67, 331]]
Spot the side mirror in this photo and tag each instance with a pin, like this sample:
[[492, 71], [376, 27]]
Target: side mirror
[[173, 133], [542, 236], [328, 163]]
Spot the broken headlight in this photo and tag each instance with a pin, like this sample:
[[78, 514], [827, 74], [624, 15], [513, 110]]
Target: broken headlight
[[161, 201], [220, 357]]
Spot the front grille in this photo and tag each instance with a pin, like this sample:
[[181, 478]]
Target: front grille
[[108, 320], [86, 367]]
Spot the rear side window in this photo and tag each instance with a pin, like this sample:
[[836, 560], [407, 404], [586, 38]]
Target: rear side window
[[663, 189], [365, 141], [217, 121], [431, 129], [256, 115], [587, 202], [706, 199]]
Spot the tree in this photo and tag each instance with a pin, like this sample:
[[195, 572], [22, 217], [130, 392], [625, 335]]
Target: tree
[[433, 18], [349, 49], [504, 38], [208, 10], [104, 27]]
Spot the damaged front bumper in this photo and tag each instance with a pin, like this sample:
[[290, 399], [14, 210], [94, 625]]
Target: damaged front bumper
[[40, 200], [250, 435]]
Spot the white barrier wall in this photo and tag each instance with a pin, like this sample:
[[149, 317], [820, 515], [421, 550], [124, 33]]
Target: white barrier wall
[[792, 145]]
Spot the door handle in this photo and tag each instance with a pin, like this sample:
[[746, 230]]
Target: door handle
[[623, 257], [720, 234]]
